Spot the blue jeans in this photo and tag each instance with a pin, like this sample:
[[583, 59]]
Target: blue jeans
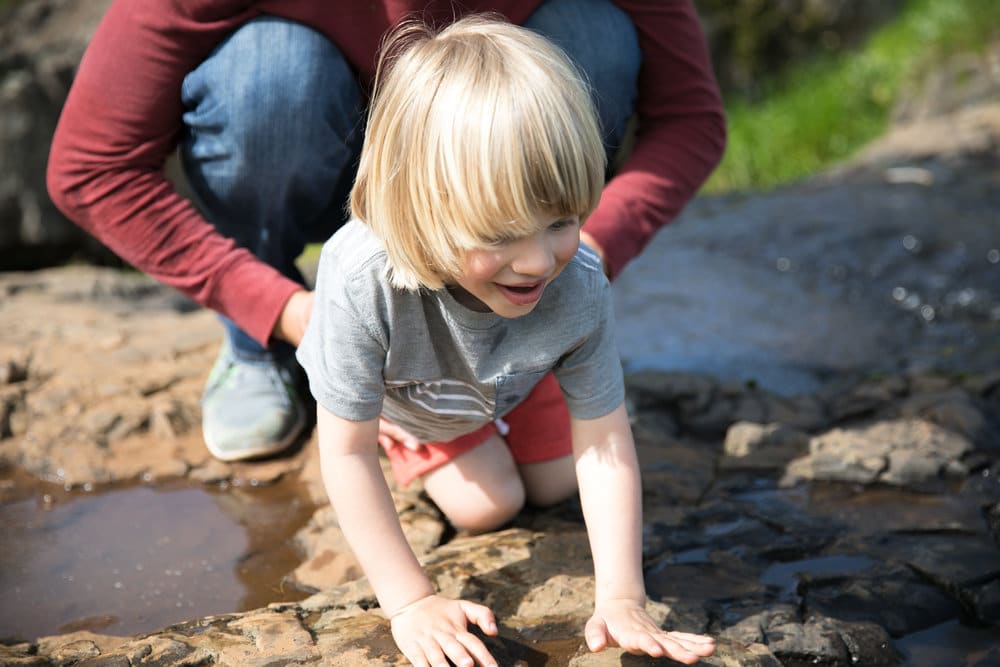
[[274, 123]]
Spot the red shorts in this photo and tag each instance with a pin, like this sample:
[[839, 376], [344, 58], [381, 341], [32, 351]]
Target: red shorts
[[539, 431]]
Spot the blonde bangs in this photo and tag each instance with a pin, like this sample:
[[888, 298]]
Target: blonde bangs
[[475, 134]]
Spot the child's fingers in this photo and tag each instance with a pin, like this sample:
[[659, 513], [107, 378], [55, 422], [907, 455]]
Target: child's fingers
[[691, 637], [477, 649], [457, 649], [480, 615], [386, 442], [430, 653], [390, 434], [596, 634], [680, 648]]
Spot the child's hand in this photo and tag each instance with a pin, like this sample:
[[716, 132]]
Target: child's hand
[[625, 623], [433, 630], [390, 435]]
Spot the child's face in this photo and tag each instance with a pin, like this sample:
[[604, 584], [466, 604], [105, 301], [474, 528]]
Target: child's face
[[509, 276]]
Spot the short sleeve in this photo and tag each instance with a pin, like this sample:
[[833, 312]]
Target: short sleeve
[[343, 351], [590, 374]]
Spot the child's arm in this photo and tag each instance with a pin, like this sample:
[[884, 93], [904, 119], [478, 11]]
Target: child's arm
[[611, 495], [426, 627]]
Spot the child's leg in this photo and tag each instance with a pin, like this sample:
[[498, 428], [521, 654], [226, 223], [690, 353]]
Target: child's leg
[[481, 481], [539, 439], [548, 482], [481, 489]]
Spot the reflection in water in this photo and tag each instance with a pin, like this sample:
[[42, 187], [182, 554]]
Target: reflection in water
[[135, 560]]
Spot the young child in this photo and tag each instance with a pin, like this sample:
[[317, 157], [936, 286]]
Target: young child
[[459, 289]]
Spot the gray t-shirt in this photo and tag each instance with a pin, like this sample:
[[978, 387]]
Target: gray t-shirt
[[439, 369]]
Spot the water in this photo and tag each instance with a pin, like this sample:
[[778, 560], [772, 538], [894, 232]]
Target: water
[[793, 287], [785, 576], [935, 647], [138, 559]]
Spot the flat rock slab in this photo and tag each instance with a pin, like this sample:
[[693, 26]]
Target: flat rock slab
[[859, 273]]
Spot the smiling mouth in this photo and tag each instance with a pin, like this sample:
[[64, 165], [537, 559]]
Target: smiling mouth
[[522, 295]]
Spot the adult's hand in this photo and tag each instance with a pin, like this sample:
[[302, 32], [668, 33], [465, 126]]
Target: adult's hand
[[291, 325]]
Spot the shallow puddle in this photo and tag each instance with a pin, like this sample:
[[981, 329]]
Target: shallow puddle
[[784, 577], [134, 560]]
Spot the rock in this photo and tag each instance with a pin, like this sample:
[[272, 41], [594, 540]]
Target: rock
[[329, 561], [689, 393], [905, 452], [866, 398], [21, 656], [986, 603], [956, 411], [993, 520], [954, 562], [891, 597], [675, 471], [40, 46], [815, 640], [751, 445]]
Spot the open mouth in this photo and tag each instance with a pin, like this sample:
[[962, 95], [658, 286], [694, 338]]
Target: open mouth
[[522, 295]]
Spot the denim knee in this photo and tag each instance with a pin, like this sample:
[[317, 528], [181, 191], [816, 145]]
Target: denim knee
[[601, 39], [273, 130]]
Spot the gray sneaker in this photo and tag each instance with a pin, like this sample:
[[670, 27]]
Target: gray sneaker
[[251, 408]]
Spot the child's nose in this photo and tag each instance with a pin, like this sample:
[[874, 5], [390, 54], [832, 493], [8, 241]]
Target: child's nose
[[535, 257]]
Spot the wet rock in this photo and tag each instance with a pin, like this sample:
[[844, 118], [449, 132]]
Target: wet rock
[[986, 603], [686, 393], [891, 597], [653, 425], [718, 578], [993, 521], [954, 562], [816, 640], [805, 412], [866, 398], [957, 411], [674, 470], [905, 452], [762, 446]]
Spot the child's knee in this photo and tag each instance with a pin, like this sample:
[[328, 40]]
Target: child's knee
[[494, 508]]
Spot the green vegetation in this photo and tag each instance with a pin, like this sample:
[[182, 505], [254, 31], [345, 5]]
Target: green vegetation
[[820, 112]]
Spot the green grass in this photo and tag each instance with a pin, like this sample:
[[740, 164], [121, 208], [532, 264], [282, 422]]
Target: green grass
[[821, 112]]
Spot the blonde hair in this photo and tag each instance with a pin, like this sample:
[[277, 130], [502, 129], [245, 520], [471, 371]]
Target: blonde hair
[[474, 133]]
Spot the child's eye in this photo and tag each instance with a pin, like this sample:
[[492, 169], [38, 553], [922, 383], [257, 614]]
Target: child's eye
[[499, 241], [562, 224]]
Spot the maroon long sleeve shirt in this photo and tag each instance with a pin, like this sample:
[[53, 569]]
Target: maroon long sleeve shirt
[[122, 120]]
